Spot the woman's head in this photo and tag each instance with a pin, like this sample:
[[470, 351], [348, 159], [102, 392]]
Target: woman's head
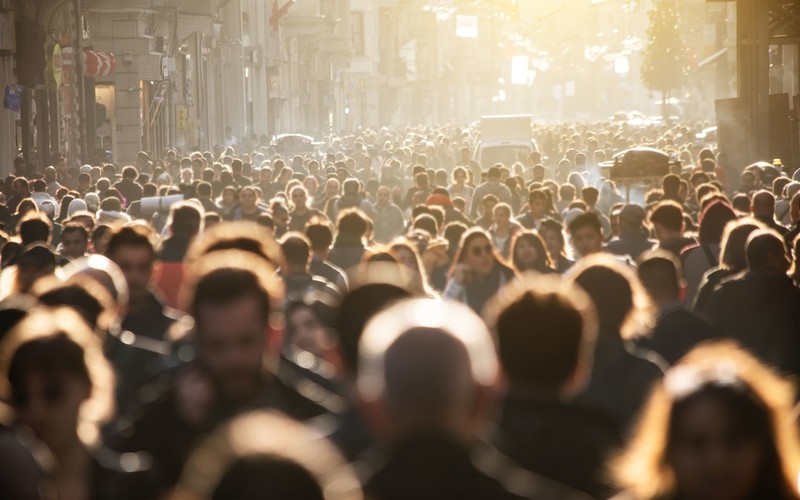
[[528, 253], [734, 239], [713, 220], [719, 425], [56, 377], [502, 214], [553, 235], [306, 327], [477, 252]]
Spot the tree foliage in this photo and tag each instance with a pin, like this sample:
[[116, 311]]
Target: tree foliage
[[664, 60]]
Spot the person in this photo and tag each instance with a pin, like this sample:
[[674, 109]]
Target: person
[[732, 260], [459, 188], [504, 229], [426, 374], [61, 387], [290, 461], [622, 374], [537, 206], [546, 330], [297, 280], [300, 214], [719, 425], [377, 285], [491, 186], [528, 253], [320, 235], [794, 217], [74, 241], [348, 247], [184, 225], [586, 234], [552, 233], [698, 259], [668, 226], [248, 208], [227, 202], [231, 294], [139, 358], [676, 330], [478, 271], [128, 186], [761, 307], [387, 217], [633, 236], [762, 207]]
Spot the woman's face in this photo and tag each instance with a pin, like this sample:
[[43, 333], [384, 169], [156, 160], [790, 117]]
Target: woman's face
[[502, 217], [50, 406], [525, 252], [552, 242], [307, 331], [709, 458], [227, 197], [480, 255]]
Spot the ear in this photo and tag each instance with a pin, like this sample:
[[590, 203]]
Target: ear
[[683, 290]]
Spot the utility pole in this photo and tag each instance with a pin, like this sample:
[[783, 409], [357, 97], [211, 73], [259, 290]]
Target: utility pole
[[80, 111]]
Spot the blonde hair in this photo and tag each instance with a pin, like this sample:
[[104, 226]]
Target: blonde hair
[[643, 469]]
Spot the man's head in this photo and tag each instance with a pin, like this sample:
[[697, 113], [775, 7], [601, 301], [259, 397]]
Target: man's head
[[74, 240], [537, 203], [763, 205], [132, 248], [34, 228], [660, 274], [232, 294], [320, 235], [185, 220], [667, 220], [426, 365], [586, 234], [353, 223], [493, 175], [296, 252], [765, 251], [631, 218], [546, 330]]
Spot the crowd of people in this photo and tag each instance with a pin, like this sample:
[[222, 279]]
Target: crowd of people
[[390, 319]]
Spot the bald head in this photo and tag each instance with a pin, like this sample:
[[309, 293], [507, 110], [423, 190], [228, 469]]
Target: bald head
[[426, 361], [763, 204]]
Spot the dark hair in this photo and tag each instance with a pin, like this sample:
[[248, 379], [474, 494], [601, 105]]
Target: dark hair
[[352, 222], [34, 228], [267, 477], [296, 249], [320, 235], [133, 235], [762, 245], [542, 263], [712, 222], [186, 220], [426, 222], [129, 172], [668, 214], [74, 227], [590, 194], [588, 219], [660, 272], [542, 333]]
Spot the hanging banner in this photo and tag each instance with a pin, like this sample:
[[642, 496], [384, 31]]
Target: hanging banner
[[56, 66]]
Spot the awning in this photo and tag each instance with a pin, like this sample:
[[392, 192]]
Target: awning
[[716, 56], [98, 64]]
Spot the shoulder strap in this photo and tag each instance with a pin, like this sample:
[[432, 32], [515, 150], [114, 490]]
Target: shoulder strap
[[710, 256]]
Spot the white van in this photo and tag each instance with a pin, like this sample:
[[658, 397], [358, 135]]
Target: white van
[[504, 139]]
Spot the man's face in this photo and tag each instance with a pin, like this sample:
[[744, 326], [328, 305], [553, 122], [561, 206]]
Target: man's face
[[136, 263], [73, 244], [299, 198], [587, 240], [231, 342], [537, 206], [384, 197], [247, 199], [19, 189]]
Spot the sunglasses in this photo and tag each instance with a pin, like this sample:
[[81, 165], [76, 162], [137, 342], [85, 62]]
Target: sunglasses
[[477, 251], [52, 394]]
